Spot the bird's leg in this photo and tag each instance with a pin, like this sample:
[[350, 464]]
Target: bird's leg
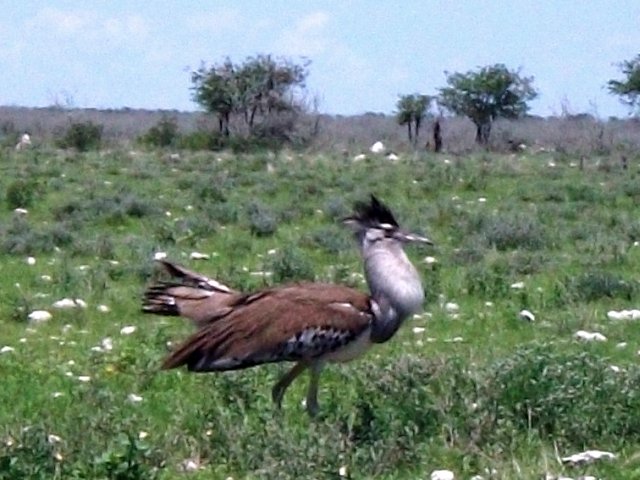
[[312, 392], [279, 388]]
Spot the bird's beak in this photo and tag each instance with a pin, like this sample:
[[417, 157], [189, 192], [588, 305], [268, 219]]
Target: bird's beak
[[411, 237]]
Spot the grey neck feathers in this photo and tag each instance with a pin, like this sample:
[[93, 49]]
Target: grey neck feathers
[[395, 287]]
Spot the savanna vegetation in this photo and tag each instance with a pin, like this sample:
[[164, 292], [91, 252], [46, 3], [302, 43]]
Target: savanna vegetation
[[474, 389], [537, 239]]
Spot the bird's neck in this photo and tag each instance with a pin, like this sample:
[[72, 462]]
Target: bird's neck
[[396, 290]]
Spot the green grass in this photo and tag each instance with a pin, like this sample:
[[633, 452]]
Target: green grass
[[475, 391]]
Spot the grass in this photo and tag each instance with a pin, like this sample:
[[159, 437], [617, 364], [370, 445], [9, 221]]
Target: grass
[[476, 391]]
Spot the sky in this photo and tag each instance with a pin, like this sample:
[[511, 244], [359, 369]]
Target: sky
[[130, 53]]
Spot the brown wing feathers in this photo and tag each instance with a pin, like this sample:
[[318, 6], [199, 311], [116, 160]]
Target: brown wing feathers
[[192, 296], [288, 323]]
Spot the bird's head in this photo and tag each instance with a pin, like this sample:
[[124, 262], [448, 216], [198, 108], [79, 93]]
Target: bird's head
[[373, 222]]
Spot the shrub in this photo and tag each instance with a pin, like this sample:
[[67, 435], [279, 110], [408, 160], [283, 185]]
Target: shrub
[[514, 231], [570, 397], [331, 239], [19, 237], [290, 263], [262, 221], [488, 280], [595, 285], [164, 134], [20, 193], [201, 140], [31, 455], [82, 136]]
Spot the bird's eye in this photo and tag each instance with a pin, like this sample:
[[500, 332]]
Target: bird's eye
[[387, 229]]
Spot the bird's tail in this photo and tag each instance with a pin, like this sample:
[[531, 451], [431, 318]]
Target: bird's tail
[[189, 294]]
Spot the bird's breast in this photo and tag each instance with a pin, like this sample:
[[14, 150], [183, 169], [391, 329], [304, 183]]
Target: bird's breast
[[352, 350]]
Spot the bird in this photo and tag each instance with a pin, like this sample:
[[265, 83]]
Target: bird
[[309, 323]]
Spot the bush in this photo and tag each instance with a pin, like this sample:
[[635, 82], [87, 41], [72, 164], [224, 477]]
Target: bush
[[164, 134], [20, 194], [82, 136], [514, 231], [572, 398], [262, 221], [595, 285], [201, 140], [290, 263]]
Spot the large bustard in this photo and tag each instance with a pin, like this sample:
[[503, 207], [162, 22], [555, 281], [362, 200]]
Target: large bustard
[[307, 323]]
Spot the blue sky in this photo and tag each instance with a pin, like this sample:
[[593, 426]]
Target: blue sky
[[128, 53]]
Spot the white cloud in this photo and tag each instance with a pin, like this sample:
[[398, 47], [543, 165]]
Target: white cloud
[[215, 21], [307, 37], [89, 25], [62, 22]]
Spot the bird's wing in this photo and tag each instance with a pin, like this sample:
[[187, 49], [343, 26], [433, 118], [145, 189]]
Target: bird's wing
[[289, 323], [194, 279], [190, 295]]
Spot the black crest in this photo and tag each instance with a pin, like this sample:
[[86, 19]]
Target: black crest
[[373, 213]]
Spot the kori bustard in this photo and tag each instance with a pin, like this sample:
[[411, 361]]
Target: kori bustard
[[307, 323]]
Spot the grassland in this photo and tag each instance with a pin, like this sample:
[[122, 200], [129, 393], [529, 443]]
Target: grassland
[[479, 390]]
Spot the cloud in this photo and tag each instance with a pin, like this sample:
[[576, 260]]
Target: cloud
[[62, 22], [215, 21], [307, 37], [89, 25]]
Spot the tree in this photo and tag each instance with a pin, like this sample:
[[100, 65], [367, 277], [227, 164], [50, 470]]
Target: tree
[[486, 94], [412, 110], [256, 91], [628, 89], [214, 89]]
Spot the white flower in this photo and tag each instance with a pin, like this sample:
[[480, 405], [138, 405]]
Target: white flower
[[160, 255], [103, 308], [633, 314], [57, 394], [51, 438], [128, 330], [589, 336], [417, 330], [39, 316], [64, 303], [31, 261], [442, 475], [84, 378], [142, 435], [342, 471], [377, 147], [451, 307], [7, 349], [527, 315], [45, 278], [199, 256], [107, 344], [588, 456], [132, 397], [190, 465], [517, 285]]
